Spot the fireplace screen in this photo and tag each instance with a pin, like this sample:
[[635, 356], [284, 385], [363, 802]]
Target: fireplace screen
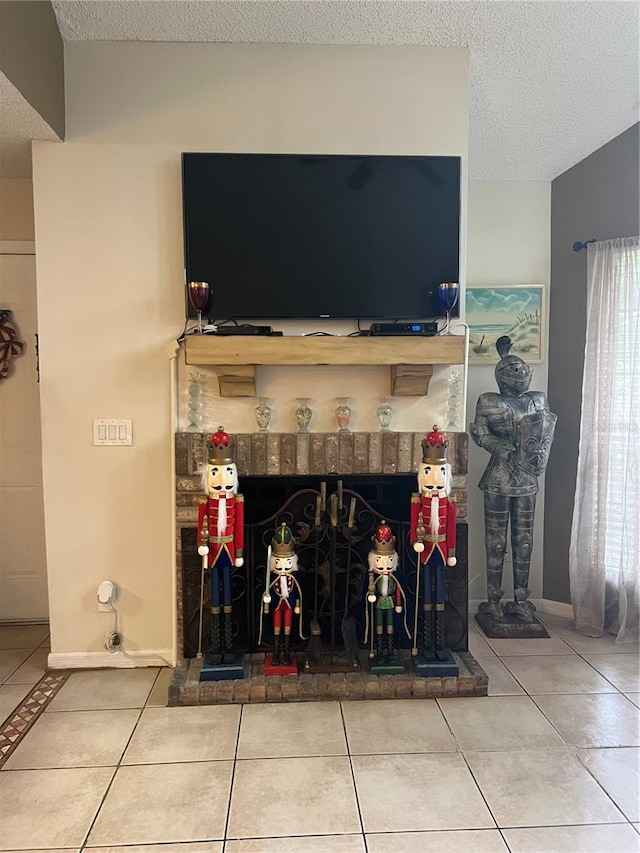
[[332, 525]]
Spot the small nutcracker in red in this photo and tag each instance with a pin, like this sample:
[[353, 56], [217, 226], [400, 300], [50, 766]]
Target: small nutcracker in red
[[221, 537], [433, 536], [282, 595]]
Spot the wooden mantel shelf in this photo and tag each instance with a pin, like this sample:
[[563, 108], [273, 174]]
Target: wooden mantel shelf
[[411, 359]]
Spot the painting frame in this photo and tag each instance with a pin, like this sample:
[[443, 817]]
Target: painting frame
[[517, 310]]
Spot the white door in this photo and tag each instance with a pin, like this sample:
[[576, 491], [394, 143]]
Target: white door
[[23, 571]]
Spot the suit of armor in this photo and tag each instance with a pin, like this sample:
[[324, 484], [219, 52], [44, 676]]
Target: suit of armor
[[221, 537], [433, 535], [516, 428]]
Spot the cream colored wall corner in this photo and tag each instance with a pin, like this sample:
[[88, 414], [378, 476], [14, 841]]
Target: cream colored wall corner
[[509, 242], [110, 272]]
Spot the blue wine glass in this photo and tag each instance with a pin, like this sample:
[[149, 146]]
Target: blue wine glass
[[448, 292]]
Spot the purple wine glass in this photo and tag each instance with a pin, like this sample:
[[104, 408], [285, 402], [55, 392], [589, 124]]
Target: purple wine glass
[[199, 293]]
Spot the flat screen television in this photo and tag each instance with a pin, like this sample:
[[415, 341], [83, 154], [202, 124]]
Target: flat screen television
[[281, 236]]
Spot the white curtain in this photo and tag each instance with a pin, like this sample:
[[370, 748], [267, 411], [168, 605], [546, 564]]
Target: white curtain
[[604, 558]]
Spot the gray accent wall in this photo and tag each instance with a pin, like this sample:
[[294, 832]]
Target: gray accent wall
[[596, 199]]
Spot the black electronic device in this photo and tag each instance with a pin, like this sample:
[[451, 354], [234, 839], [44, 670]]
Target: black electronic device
[[325, 236], [417, 329], [245, 329]]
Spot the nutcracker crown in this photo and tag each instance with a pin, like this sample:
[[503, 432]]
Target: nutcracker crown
[[220, 448], [434, 447], [282, 544], [384, 542]]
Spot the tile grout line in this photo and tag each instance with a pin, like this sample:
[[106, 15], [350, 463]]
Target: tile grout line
[[353, 778], [233, 776], [574, 751], [481, 792]]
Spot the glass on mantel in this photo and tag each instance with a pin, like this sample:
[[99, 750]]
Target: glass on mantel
[[303, 414], [262, 413], [343, 413], [199, 293], [384, 414], [195, 390]]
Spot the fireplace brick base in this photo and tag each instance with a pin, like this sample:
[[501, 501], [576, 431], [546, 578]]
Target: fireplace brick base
[[186, 689]]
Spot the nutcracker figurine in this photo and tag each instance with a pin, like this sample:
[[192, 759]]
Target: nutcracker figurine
[[385, 597], [433, 537], [283, 596], [220, 544]]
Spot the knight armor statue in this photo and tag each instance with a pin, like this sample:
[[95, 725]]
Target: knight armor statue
[[516, 427]]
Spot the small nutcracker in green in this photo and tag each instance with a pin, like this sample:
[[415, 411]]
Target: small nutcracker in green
[[384, 594]]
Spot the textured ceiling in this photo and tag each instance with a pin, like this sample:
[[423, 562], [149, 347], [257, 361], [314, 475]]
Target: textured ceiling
[[20, 124], [550, 82]]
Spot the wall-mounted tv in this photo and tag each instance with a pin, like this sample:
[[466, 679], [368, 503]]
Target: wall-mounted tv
[[282, 236]]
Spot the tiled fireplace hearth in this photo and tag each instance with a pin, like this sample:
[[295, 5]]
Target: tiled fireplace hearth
[[294, 460]]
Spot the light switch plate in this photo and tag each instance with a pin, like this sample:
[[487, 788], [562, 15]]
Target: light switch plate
[[113, 431]]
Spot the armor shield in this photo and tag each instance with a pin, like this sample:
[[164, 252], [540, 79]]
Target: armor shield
[[533, 440]]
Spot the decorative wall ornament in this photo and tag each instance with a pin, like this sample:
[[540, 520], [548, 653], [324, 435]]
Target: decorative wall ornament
[[10, 346], [513, 310]]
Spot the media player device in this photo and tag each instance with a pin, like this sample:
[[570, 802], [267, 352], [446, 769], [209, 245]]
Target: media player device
[[245, 329], [404, 329]]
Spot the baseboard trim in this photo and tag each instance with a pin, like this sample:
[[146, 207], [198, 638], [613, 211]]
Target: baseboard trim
[[556, 608], [111, 660]]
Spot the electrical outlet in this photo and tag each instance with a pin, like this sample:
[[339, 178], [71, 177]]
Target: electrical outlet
[[106, 597]]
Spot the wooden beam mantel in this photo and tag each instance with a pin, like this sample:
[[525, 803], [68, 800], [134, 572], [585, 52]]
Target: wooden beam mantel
[[411, 359]]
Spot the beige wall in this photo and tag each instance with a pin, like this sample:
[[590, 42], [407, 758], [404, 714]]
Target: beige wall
[[16, 209], [108, 218], [509, 242]]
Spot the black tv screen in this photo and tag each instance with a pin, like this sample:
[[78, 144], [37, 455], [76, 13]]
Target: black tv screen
[[282, 236]]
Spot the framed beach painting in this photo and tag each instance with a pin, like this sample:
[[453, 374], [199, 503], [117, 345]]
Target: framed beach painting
[[513, 310]]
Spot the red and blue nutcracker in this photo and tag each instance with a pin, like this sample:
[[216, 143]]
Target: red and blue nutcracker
[[433, 537], [221, 538], [283, 596]]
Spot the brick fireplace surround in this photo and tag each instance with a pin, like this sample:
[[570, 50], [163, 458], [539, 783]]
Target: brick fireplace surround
[[304, 454]]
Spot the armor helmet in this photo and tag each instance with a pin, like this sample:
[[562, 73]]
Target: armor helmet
[[221, 448], [434, 447], [384, 542], [282, 544], [513, 375]]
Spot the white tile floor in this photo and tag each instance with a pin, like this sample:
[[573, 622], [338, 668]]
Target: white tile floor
[[549, 761]]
